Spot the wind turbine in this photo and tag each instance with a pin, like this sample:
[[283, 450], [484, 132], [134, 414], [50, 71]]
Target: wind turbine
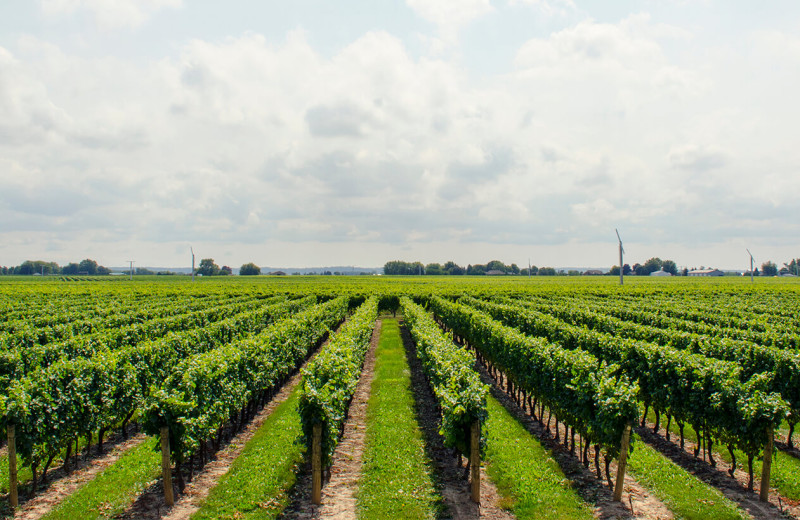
[[192, 250], [131, 262], [621, 251], [751, 264]]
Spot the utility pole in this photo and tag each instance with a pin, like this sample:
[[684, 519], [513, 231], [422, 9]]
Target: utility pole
[[621, 250], [192, 250], [529, 267], [751, 264], [131, 262]]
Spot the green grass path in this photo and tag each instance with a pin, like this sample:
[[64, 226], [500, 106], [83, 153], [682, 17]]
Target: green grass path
[[258, 482], [113, 490], [525, 474], [684, 494], [397, 477], [785, 473]]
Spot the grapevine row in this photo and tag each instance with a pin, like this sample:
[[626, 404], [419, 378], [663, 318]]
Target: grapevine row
[[330, 379], [450, 371], [207, 390], [584, 393], [706, 393]]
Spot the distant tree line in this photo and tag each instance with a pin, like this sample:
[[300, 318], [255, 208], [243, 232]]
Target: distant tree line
[[650, 266], [32, 267], [494, 267], [209, 268], [768, 268]]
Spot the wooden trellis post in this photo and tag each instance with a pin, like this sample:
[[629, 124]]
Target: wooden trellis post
[[316, 465], [12, 466], [766, 467], [623, 462], [166, 469], [475, 461]]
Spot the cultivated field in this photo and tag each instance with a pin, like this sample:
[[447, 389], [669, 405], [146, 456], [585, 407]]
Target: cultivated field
[[399, 397]]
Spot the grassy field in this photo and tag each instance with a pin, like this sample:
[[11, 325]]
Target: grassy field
[[397, 477], [683, 493], [530, 481], [258, 482], [526, 474]]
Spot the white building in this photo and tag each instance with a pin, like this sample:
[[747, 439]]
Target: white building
[[706, 272], [660, 273]]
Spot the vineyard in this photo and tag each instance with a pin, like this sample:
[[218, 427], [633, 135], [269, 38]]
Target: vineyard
[[434, 397]]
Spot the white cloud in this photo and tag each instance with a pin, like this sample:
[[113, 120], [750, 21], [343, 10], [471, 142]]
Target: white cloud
[[450, 16], [243, 142], [549, 7], [110, 14]]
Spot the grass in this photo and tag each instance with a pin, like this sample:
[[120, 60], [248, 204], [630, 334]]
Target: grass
[[25, 476], [397, 477], [258, 482], [785, 473], [683, 493], [113, 490], [525, 473]]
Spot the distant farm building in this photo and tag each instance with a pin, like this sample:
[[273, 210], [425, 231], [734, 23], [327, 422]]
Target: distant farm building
[[706, 272], [277, 273], [660, 273], [592, 272], [495, 272]]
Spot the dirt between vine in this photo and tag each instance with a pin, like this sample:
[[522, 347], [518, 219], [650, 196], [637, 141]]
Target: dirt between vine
[[65, 484], [734, 488], [338, 493], [636, 503], [151, 505], [451, 478]]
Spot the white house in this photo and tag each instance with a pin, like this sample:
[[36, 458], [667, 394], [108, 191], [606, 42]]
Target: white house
[[661, 273], [706, 272]]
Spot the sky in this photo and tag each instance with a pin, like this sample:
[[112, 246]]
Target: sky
[[312, 133]]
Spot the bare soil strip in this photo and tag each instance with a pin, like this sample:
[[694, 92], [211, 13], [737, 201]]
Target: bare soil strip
[[637, 502], [734, 489], [69, 483], [338, 493], [452, 478], [150, 504]]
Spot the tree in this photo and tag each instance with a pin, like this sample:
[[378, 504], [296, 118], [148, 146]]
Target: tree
[[87, 266], [496, 265], [434, 269], [652, 265], [249, 269], [626, 270], [769, 268], [208, 267], [37, 267], [794, 266], [226, 270], [547, 271], [614, 271], [71, 269], [452, 268], [476, 269], [670, 267]]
